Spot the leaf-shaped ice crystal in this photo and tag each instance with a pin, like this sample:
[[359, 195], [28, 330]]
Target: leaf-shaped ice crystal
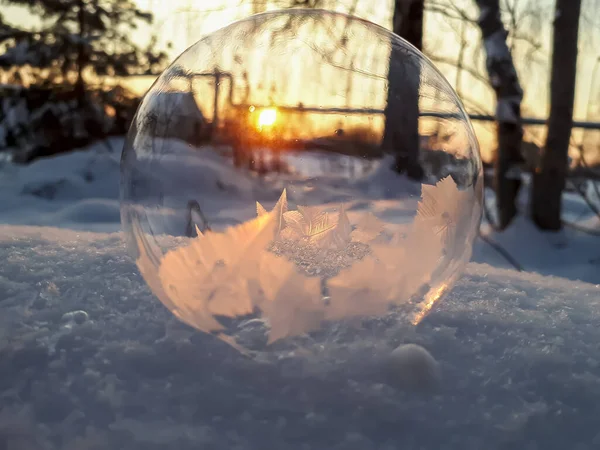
[[367, 229], [209, 276], [309, 223], [277, 212], [442, 208], [321, 232], [338, 234], [295, 223], [343, 228], [260, 210], [292, 301], [360, 290]]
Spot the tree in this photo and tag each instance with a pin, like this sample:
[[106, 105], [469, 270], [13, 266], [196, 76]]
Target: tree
[[72, 46], [549, 180], [505, 82], [76, 38], [401, 133]]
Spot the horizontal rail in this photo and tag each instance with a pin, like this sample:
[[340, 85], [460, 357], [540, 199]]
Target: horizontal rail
[[326, 110], [530, 121], [474, 117], [301, 108]]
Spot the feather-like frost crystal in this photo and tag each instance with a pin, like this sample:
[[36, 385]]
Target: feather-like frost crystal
[[296, 175], [234, 273]]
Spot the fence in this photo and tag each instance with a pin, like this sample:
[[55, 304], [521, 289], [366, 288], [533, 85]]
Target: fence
[[218, 76]]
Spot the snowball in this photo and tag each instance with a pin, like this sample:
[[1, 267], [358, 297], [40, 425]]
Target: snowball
[[411, 367]]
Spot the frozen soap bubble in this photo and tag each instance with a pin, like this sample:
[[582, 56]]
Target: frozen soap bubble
[[296, 172]]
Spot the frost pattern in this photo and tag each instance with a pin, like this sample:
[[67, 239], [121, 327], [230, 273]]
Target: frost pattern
[[235, 273]]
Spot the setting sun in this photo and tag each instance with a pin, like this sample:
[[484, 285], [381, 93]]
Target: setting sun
[[267, 117]]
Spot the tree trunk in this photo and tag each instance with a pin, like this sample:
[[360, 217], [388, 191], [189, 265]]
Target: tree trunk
[[504, 80], [81, 57], [549, 179], [408, 21], [401, 133]]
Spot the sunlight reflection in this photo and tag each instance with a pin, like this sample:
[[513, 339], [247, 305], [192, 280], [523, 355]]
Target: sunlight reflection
[[430, 300]]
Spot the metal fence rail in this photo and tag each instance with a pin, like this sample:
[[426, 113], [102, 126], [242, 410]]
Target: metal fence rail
[[524, 120], [219, 75]]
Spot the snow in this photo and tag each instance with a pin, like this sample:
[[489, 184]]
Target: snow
[[569, 254], [80, 191], [89, 358]]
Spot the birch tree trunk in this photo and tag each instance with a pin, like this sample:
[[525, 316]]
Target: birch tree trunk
[[504, 80], [549, 179], [401, 133]]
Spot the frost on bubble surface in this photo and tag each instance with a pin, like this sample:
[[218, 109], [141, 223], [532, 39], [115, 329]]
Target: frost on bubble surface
[[301, 216], [277, 261]]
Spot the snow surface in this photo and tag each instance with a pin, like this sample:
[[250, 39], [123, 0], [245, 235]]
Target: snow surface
[[518, 353], [518, 356], [80, 191]]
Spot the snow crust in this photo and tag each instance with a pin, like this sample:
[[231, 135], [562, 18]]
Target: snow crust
[[89, 358], [517, 354]]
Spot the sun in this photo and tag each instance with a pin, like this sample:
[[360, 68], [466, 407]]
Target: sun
[[267, 118]]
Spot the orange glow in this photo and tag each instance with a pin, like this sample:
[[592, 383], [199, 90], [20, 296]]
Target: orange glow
[[430, 300], [110, 111], [267, 118]]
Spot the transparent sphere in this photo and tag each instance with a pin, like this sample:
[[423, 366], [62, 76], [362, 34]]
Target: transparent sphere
[[296, 172]]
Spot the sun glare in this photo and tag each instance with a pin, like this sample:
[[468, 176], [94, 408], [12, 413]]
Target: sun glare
[[267, 118], [430, 300]]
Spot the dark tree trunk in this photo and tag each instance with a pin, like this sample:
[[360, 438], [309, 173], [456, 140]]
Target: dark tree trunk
[[549, 179], [81, 54], [408, 21], [504, 80], [401, 133]]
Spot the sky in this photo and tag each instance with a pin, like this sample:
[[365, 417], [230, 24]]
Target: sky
[[183, 22]]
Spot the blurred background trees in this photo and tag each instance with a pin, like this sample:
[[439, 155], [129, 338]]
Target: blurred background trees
[[57, 61], [78, 38]]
